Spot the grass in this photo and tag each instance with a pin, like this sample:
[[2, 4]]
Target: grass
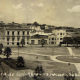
[[12, 63], [32, 64], [76, 51], [61, 67], [44, 50], [74, 59]]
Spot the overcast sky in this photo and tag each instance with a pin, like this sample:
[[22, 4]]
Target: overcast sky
[[52, 12]]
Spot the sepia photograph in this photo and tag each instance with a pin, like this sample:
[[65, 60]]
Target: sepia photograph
[[39, 39]]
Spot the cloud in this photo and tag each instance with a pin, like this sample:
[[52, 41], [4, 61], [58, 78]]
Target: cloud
[[40, 4], [18, 6], [35, 4], [74, 9]]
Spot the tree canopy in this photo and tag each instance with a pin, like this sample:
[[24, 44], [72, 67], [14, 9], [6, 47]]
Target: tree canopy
[[23, 42], [42, 42], [7, 52]]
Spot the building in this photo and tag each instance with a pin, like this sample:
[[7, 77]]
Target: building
[[36, 39], [14, 35], [52, 39], [59, 34]]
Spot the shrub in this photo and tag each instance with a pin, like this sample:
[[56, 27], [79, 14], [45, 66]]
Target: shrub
[[20, 62]]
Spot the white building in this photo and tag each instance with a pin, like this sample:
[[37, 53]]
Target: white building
[[59, 34], [15, 35], [36, 39]]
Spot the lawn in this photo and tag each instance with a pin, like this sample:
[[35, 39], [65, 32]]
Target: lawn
[[76, 51], [43, 50], [73, 59], [61, 68]]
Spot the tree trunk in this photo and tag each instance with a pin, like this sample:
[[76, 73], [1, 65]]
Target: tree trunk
[[42, 45], [77, 44], [7, 56], [22, 45]]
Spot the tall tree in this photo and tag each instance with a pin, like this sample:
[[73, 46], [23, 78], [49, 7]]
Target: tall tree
[[76, 40], [23, 42], [35, 23], [7, 52], [42, 42], [68, 40], [1, 46]]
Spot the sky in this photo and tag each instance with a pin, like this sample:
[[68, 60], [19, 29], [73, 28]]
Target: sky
[[51, 12]]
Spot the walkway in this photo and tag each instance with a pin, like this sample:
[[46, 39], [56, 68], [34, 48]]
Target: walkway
[[70, 51], [76, 64]]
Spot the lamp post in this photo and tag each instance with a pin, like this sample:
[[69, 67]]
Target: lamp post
[[18, 48]]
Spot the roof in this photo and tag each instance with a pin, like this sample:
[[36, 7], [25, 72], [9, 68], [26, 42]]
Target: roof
[[39, 36]]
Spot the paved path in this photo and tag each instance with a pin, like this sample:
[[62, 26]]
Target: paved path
[[76, 64], [70, 51]]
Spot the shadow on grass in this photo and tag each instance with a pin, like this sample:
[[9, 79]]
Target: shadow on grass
[[28, 64]]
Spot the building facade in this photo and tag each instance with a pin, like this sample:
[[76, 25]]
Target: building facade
[[13, 36], [31, 35], [59, 35]]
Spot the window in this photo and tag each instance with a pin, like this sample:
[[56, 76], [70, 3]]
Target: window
[[49, 38], [60, 33], [60, 38], [39, 41], [7, 32], [49, 42], [27, 42], [7, 39], [12, 32], [45, 41], [7, 43], [23, 32], [57, 33], [27, 39], [52, 42], [18, 39], [27, 32], [57, 38], [12, 39], [52, 38], [12, 43], [23, 37], [3, 38], [18, 32], [32, 42]]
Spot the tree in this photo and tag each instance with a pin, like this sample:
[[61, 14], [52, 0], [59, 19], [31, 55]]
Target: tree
[[23, 42], [36, 24], [20, 62], [39, 74], [76, 40], [1, 46], [7, 52], [42, 42], [39, 70], [67, 40]]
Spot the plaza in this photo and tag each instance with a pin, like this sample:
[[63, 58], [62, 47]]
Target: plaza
[[55, 60]]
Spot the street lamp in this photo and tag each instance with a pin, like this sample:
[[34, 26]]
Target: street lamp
[[18, 48]]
